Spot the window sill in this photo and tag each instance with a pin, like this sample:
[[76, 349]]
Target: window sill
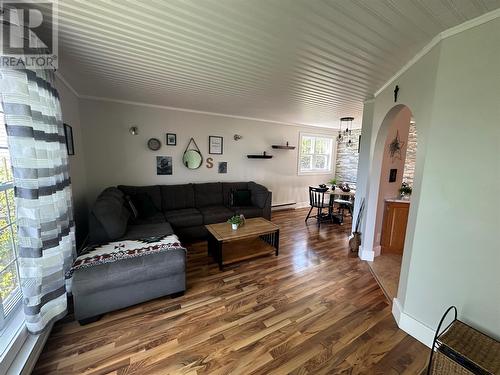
[[314, 173], [12, 338], [19, 350]]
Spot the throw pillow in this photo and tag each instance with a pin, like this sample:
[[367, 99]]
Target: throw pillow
[[242, 198], [131, 207], [144, 205]]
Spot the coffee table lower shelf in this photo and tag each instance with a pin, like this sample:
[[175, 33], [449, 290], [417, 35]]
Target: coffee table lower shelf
[[235, 251]]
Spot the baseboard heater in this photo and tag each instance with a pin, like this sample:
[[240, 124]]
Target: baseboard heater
[[283, 205]]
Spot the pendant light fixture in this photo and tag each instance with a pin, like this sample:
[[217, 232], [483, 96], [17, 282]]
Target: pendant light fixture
[[345, 134]]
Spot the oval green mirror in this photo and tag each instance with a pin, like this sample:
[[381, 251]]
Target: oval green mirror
[[192, 159]]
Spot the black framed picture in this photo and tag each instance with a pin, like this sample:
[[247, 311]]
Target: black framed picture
[[215, 145], [68, 134], [223, 167], [392, 175], [164, 165], [171, 139]]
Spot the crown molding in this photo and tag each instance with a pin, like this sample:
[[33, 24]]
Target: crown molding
[[61, 78], [438, 38], [188, 110]]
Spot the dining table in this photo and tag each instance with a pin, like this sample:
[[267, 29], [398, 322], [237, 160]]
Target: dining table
[[345, 195], [338, 191]]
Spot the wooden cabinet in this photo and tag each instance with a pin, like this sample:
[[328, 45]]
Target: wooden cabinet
[[394, 227]]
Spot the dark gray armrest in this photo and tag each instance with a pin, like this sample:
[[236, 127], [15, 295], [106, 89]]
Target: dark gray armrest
[[262, 198]]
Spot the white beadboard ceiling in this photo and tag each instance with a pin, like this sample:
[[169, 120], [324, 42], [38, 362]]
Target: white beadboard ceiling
[[293, 61]]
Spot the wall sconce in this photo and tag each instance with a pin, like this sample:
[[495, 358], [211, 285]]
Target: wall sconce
[[237, 137], [134, 130]]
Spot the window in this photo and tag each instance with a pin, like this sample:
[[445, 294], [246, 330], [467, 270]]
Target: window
[[10, 291], [315, 154]]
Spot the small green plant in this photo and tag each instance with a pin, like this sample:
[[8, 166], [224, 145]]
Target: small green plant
[[405, 189], [236, 219], [333, 181]]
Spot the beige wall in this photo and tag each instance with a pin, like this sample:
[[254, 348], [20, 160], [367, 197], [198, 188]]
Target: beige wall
[[71, 116], [113, 156], [452, 254]]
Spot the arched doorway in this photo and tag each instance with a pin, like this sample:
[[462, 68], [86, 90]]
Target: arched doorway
[[394, 160]]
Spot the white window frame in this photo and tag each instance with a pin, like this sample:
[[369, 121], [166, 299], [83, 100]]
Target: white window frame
[[13, 332], [312, 172]]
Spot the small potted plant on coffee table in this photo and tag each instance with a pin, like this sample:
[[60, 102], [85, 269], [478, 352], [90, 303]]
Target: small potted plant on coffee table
[[235, 221]]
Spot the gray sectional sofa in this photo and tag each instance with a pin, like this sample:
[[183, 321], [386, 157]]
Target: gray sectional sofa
[[155, 211], [186, 208]]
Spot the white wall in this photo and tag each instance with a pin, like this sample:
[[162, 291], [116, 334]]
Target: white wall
[[71, 116], [452, 247], [113, 156], [457, 236]]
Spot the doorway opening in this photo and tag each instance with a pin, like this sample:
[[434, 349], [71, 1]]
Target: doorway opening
[[397, 168]]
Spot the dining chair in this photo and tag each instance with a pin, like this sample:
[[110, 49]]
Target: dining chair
[[317, 200], [344, 204]]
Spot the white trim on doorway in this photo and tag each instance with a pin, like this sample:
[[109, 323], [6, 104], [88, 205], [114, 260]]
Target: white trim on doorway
[[366, 254]]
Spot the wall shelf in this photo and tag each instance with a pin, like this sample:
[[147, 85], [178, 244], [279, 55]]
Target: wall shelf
[[260, 156], [283, 147]]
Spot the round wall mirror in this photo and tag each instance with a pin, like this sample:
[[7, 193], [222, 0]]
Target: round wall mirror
[[192, 159]]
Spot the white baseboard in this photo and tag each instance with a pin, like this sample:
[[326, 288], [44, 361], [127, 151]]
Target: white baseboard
[[302, 205], [366, 254], [411, 326], [293, 206], [377, 250]]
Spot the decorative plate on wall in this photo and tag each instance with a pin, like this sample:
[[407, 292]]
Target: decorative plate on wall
[[154, 144]]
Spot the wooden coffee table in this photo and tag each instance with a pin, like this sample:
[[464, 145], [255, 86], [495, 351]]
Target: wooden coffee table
[[256, 238]]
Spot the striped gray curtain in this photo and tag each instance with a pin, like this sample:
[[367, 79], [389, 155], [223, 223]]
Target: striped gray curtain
[[46, 234]]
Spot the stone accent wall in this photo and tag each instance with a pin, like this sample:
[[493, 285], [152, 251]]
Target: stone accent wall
[[411, 155], [346, 166]]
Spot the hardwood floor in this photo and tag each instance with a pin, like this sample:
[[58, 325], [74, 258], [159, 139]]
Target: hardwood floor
[[314, 309]]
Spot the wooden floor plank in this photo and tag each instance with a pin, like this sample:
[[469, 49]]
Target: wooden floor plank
[[314, 309]]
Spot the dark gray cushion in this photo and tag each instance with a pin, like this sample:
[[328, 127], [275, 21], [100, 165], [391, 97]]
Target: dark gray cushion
[[175, 197], [208, 194], [156, 218], [186, 217], [227, 187], [144, 204], [129, 271], [259, 194], [153, 191], [136, 232], [215, 214], [248, 212], [112, 191], [112, 215]]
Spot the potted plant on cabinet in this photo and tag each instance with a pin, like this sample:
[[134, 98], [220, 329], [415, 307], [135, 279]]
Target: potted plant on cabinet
[[405, 191]]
